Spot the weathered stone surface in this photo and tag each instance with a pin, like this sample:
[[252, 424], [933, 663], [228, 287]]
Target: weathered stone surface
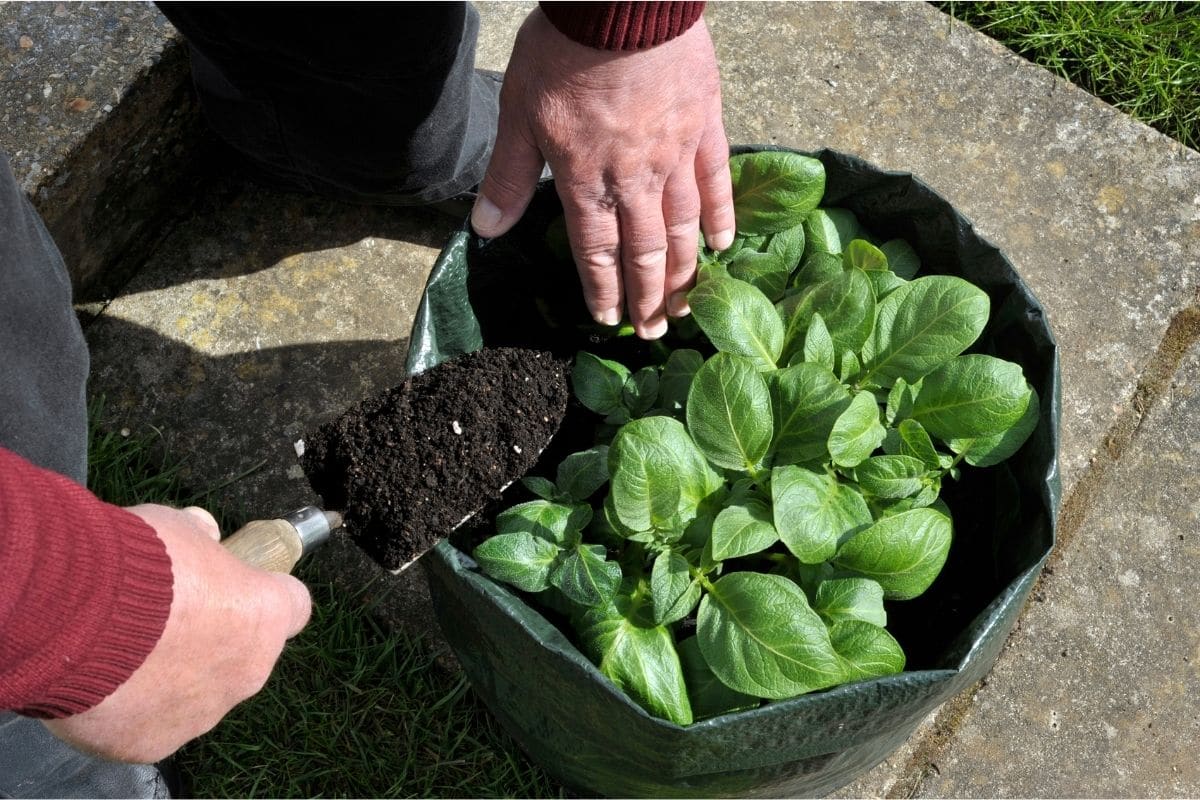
[[261, 316], [98, 122], [1095, 696]]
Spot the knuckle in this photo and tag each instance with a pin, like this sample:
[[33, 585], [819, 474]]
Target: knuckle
[[686, 225], [712, 161], [648, 261], [598, 262]]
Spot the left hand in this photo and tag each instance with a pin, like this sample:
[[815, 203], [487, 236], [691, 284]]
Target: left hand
[[640, 162]]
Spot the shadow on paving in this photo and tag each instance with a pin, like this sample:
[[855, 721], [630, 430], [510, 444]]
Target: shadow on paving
[[260, 315]]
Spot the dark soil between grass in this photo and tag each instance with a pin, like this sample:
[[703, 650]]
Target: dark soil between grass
[[408, 465]]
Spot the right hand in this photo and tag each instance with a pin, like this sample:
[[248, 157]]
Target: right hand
[[226, 629]]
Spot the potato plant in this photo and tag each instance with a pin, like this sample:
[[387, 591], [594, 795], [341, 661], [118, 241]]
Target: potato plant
[[756, 496]]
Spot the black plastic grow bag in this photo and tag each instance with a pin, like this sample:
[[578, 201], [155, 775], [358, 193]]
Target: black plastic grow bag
[[591, 736]]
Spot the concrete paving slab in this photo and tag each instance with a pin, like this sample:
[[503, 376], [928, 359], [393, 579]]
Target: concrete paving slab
[[94, 98], [1095, 695]]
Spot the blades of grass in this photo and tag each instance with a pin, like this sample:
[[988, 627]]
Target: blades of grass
[[1143, 58], [351, 711]]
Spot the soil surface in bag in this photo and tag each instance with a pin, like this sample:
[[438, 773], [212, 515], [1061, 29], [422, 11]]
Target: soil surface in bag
[[407, 466]]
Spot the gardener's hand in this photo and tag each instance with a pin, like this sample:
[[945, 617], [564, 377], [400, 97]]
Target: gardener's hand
[[640, 161], [227, 627]]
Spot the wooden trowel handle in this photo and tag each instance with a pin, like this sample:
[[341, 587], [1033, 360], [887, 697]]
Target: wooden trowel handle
[[277, 544]]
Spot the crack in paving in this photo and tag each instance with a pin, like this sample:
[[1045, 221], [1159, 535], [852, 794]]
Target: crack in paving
[[1181, 335]]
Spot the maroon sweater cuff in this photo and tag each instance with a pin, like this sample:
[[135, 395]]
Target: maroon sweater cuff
[[622, 26], [85, 594]]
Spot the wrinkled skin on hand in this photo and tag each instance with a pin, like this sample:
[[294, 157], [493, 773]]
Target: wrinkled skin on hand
[[640, 160], [227, 626]]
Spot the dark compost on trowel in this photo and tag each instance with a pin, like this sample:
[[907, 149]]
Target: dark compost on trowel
[[408, 465]]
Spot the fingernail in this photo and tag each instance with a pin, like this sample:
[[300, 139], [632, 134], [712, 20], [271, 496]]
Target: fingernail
[[718, 241], [677, 305], [485, 216], [610, 317], [655, 330]]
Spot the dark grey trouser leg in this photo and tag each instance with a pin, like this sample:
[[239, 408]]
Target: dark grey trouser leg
[[35, 764], [365, 102], [43, 417], [43, 357]]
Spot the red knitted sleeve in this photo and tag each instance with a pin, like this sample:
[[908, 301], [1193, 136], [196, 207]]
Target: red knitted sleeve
[[85, 590], [622, 26]]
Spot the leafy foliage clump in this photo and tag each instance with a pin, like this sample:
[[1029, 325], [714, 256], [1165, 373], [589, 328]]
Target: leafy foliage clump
[[756, 495]]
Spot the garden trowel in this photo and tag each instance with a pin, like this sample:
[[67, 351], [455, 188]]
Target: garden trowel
[[405, 468]]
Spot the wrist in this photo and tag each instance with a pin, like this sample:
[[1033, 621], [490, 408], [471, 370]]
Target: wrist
[[86, 592], [622, 26]]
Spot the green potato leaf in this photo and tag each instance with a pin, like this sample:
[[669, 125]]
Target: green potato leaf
[[696, 542], [857, 432], [988, 451], [915, 442], [676, 380], [640, 392], [740, 530], [709, 697], [920, 326], [640, 659], [774, 191], [675, 591], [788, 244], [863, 255], [738, 319], [766, 272], [904, 552], [842, 599], [817, 268], [559, 523], [580, 475], [808, 400], [598, 383], [849, 367], [645, 489], [867, 651], [741, 242], [519, 559], [760, 637], [542, 487], [846, 304], [586, 576], [813, 512], [972, 396], [891, 476], [884, 283], [829, 230], [729, 412], [657, 473], [818, 344], [901, 258], [900, 401]]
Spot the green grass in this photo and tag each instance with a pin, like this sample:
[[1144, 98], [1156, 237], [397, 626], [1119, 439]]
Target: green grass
[[1143, 58], [352, 709], [355, 711]]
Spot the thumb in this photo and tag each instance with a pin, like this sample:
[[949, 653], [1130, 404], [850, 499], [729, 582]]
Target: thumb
[[299, 601], [507, 187]]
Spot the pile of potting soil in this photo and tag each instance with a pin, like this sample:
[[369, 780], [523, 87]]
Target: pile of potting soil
[[408, 465]]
